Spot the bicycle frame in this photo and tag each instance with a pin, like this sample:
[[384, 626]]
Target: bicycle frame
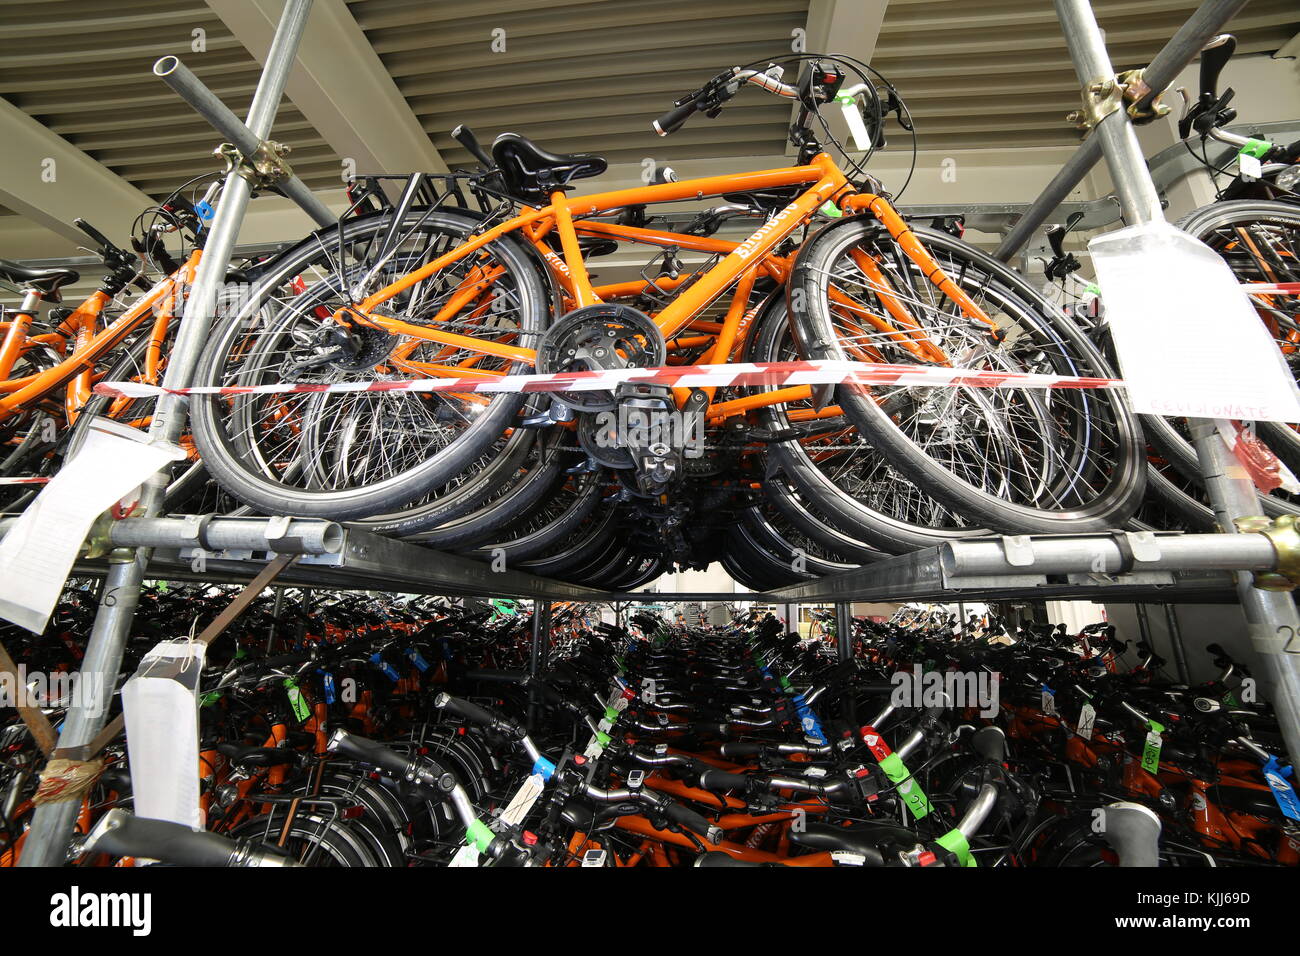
[[740, 265], [21, 394]]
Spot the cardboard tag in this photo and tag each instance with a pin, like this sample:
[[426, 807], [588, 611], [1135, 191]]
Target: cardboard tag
[[1189, 341], [41, 547], [162, 732]]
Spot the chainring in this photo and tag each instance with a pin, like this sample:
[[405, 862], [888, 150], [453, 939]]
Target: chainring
[[599, 338]]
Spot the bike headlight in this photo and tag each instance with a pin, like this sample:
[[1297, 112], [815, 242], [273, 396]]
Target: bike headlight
[[1289, 178]]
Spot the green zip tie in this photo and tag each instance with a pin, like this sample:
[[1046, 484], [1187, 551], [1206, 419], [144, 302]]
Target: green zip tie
[[910, 790], [296, 701], [1151, 748], [1258, 148], [602, 738], [955, 841], [831, 210], [478, 834]]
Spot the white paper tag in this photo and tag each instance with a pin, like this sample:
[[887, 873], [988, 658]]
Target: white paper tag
[[162, 732], [521, 802], [41, 547], [1250, 166], [1190, 344], [848, 858], [465, 856], [1048, 702], [1087, 717]]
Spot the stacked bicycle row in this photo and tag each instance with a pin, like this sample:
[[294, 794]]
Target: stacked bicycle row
[[371, 733], [494, 271]]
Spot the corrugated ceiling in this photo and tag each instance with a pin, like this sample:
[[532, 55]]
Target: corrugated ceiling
[[576, 75]]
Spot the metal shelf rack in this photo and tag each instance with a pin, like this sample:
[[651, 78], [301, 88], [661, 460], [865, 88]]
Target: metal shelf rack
[[1157, 567]]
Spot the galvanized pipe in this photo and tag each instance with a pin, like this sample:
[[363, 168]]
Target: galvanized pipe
[[204, 102], [51, 829], [1101, 554], [1164, 68]]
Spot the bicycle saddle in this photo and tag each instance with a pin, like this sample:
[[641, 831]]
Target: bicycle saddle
[[532, 173], [46, 281]]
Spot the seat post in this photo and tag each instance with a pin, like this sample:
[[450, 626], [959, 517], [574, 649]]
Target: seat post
[[16, 335], [583, 294]]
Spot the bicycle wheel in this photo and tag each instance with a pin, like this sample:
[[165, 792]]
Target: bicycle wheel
[[356, 454], [839, 474], [1018, 460]]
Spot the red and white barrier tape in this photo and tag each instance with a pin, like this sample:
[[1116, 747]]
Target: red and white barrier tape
[[1272, 288], [768, 374]]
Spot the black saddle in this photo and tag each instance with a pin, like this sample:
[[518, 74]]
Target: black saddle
[[531, 173], [45, 281]]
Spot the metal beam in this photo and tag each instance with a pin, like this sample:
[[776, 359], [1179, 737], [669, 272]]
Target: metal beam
[[51, 182], [341, 86]]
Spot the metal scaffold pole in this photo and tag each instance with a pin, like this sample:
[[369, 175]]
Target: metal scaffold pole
[[52, 823], [1182, 48], [1270, 615]]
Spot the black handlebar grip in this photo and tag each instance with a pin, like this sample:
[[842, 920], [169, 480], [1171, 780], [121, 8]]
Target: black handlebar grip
[[1133, 832], [723, 780], [94, 234], [509, 677], [1291, 154], [367, 751], [1056, 239], [695, 822], [128, 835], [471, 712], [747, 748], [1213, 59], [673, 120], [465, 136], [990, 743]]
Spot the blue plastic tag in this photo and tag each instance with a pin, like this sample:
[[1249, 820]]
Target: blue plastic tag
[[331, 694], [808, 720], [544, 767], [389, 670], [417, 659], [1283, 790]]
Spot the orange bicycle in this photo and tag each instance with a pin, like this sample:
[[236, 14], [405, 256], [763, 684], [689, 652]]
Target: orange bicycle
[[434, 291]]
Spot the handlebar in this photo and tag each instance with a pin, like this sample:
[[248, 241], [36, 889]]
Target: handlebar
[[717, 91], [120, 834]]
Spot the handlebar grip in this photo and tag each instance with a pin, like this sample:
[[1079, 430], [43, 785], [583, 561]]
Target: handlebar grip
[[695, 822], [1214, 57], [367, 751], [507, 677], [674, 119], [747, 748], [473, 713], [465, 136], [1291, 154], [1056, 239], [990, 743], [1133, 832], [121, 834], [95, 234], [723, 780]]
